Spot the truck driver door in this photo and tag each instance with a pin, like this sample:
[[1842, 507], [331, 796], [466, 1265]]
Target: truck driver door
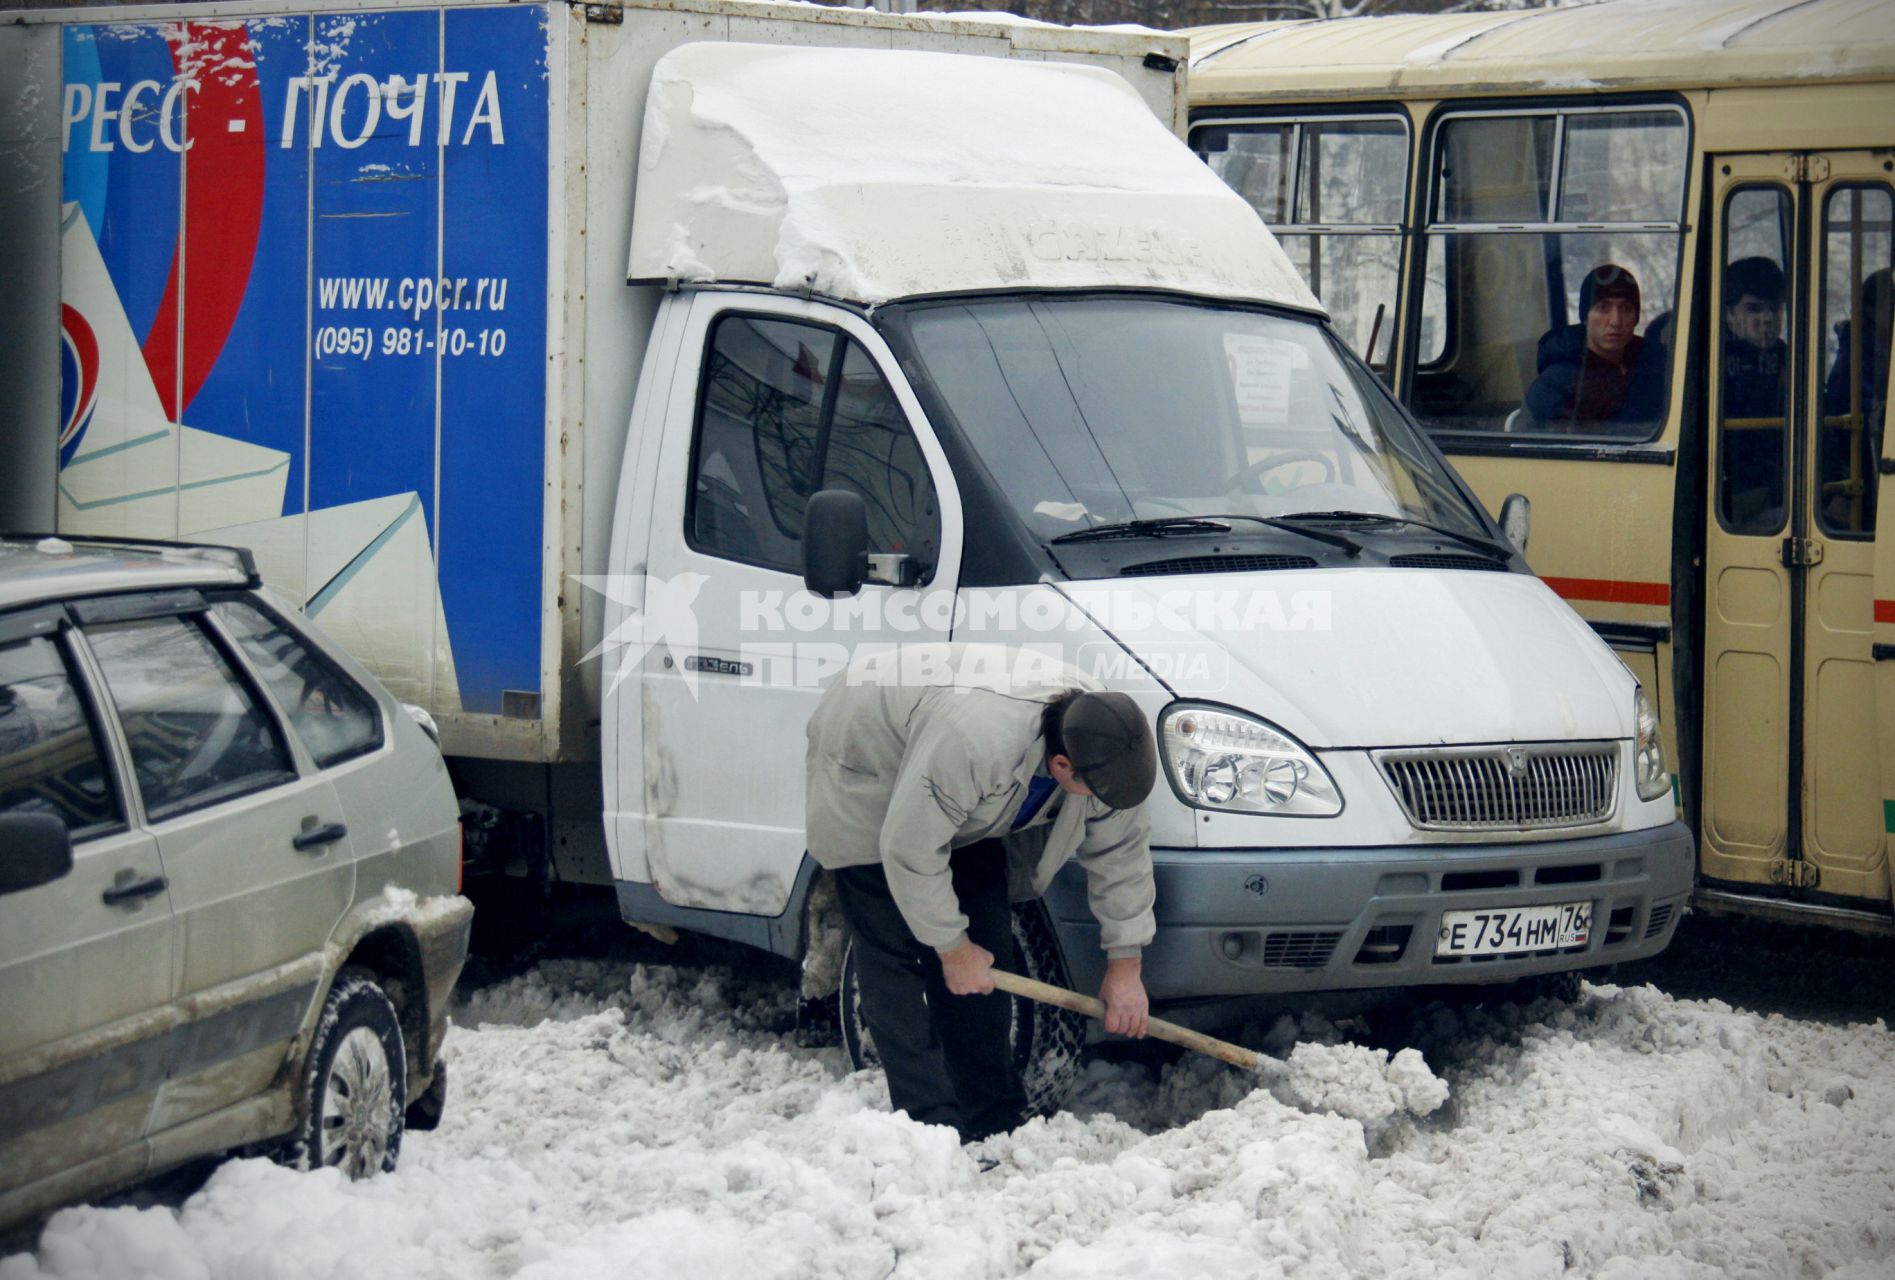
[[775, 399]]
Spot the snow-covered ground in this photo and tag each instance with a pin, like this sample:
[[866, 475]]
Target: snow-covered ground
[[611, 1119]]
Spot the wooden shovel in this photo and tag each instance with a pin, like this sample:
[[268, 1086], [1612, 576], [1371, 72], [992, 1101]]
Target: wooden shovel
[[1197, 1041]]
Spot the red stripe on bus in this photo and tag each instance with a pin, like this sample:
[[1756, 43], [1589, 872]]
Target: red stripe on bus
[[1885, 610], [1611, 592]]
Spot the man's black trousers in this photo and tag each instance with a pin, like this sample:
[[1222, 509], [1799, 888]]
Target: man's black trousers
[[947, 1057]]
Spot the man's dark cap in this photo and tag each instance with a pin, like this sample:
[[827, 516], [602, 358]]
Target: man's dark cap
[[1609, 280], [1759, 277], [1111, 748]]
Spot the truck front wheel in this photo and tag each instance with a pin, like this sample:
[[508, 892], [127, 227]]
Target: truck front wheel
[[1047, 1042]]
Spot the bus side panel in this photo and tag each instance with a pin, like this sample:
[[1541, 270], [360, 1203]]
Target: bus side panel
[[1882, 649]]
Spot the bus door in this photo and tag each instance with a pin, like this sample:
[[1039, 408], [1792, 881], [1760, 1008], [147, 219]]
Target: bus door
[[1797, 381]]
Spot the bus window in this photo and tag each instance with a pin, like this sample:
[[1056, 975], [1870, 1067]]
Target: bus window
[[1752, 460], [1333, 191], [1551, 273], [1857, 257], [1257, 161]]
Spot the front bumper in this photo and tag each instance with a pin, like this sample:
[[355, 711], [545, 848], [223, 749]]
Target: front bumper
[[1245, 922]]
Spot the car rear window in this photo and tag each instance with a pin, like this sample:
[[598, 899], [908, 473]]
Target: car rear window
[[197, 735], [334, 716]]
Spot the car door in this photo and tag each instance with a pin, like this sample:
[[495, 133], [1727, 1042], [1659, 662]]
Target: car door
[[86, 961], [775, 399], [253, 840]]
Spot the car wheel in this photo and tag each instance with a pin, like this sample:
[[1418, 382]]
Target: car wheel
[[355, 1082], [424, 1113], [1047, 1041]]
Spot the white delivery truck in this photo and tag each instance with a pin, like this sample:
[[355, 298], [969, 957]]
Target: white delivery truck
[[515, 339]]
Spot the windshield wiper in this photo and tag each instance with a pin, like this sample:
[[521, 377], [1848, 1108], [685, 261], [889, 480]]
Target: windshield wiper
[[1288, 525], [1366, 517], [1147, 528], [1205, 524]]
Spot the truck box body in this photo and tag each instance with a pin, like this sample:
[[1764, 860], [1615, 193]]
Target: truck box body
[[346, 284]]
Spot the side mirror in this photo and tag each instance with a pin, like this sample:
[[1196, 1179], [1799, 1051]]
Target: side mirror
[[1516, 520], [835, 543], [39, 850]]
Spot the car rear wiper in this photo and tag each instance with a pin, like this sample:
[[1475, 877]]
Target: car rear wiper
[[1366, 517], [1147, 528]]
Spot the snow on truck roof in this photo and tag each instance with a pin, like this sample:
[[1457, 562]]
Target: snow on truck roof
[[873, 174], [1631, 43]]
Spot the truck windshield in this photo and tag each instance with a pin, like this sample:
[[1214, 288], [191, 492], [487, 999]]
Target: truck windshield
[[1099, 411]]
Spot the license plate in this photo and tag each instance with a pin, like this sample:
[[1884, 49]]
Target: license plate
[[1499, 930]]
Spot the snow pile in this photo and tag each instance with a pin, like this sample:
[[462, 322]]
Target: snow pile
[[1363, 1084], [619, 1121], [873, 174]]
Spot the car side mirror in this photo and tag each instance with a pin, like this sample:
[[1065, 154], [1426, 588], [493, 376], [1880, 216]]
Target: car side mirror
[[835, 543], [1516, 520], [39, 850]]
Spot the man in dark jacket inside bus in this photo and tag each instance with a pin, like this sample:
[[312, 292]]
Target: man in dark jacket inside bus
[[1599, 376], [1755, 390], [945, 782]]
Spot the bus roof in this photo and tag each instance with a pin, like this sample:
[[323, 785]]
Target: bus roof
[[1648, 44]]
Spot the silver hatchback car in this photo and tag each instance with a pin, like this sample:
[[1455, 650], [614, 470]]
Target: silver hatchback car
[[229, 879]]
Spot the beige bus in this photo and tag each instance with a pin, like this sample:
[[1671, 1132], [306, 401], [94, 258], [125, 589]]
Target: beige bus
[[1633, 261]]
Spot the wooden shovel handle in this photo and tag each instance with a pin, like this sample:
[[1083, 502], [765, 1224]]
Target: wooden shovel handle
[[1196, 1041]]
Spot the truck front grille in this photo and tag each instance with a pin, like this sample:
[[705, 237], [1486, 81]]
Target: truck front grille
[[1536, 787], [1299, 950]]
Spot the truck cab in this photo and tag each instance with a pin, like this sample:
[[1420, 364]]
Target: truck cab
[[1084, 408]]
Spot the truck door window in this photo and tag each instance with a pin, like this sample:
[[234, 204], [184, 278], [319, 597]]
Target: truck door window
[[1858, 255], [787, 408], [196, 733], [50, 760], [333, 715], [1333, 191], [1524, 206]]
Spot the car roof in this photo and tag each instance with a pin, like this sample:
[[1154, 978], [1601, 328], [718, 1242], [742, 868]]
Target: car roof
[[38, 570]]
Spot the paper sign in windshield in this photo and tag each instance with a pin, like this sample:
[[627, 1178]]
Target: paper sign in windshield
[[1260, 374]]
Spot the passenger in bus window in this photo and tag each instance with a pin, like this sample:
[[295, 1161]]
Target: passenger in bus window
[[1755, 358], [1874, 318], [1599, 376], [1754, 350], [1848, 497]]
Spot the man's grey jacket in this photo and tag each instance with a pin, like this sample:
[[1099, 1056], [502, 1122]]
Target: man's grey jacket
[[921, 750]]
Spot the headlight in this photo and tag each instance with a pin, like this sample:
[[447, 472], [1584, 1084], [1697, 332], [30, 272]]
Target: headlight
[[1225, 760], [1648, 753]]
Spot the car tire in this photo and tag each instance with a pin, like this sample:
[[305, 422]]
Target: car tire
[[425, 1112], [1047, 1041], [354, 1088]]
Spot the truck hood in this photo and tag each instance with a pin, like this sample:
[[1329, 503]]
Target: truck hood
[[1375, 657]]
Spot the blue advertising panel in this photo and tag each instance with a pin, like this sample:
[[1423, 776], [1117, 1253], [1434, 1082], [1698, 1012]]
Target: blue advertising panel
[[494, 329], [251, 254], [377, 195], [304, 283]]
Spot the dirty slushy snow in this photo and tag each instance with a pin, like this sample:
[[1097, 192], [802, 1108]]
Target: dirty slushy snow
[[617, 1120]]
